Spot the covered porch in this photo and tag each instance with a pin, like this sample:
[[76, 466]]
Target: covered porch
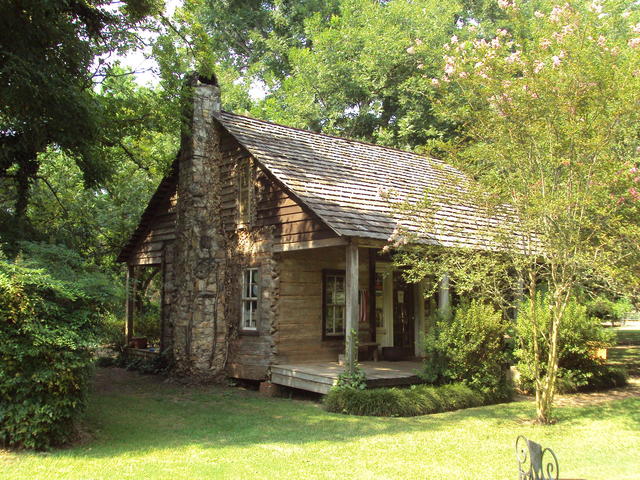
[[319, 377]]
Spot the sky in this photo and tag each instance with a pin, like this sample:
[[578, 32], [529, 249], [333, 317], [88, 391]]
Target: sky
[[138, 61], [147, 69]]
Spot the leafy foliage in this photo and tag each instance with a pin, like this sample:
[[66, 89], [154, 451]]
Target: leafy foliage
[[544, 118], [355, 381], [468, 348], [579, 338], [356, 68], [608, 310], [50, 312], [47, 50]]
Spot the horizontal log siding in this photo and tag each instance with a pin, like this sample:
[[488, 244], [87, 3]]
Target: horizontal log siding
[[162, 231], [299, 337], [274, 208]]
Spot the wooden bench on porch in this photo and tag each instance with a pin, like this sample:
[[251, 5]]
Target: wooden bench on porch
[[370, 349]]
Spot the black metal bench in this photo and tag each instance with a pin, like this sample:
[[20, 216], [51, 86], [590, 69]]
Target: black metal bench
[[535, 462]]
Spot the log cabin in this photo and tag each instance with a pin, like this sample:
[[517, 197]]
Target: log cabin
[[272, 242]]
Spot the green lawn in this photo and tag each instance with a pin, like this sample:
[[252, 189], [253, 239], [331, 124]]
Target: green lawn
[[627, 352], [144, 429]]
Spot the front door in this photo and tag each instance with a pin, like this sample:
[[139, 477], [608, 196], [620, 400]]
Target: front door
[[403, 314]]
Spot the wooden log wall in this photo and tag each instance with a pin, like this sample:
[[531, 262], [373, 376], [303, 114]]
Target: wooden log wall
[[161, 231], [274, 207], [299, 335], [277, 219]]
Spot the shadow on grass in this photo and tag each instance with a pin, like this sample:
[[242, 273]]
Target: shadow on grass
[[137, 414], [627, 411]]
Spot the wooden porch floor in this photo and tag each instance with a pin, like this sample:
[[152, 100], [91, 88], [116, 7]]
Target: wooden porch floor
[[320, 377]]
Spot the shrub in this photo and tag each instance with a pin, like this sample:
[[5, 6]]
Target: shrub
[[469, 349], [607, 310], [112, 332], [579, 338], [156, 365], [48, 327], [147, 324], [403, 402]]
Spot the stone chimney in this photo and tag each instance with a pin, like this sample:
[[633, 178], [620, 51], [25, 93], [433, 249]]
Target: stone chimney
[[197, 314]]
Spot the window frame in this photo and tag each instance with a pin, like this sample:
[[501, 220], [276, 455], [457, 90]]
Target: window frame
[[254, 279], [326, 273]]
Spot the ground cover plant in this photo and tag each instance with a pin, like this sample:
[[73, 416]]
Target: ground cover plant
[[403, 402], [140, 427]]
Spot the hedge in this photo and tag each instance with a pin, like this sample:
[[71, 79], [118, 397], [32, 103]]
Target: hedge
[[405, 402]]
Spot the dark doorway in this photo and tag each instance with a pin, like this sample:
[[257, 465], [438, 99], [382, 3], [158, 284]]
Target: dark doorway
[[403, 315]]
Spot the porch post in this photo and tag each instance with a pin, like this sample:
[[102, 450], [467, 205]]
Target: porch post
[[351, 300], [443, 296], [130, 302], [372, 293]]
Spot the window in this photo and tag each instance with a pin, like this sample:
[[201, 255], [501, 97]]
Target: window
[[249, 299], [245, 183], [333, 320]]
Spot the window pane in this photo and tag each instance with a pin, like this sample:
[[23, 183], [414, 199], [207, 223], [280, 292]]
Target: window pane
[[254, 290], [246, 314], [329, 320], [339, 319], [254, 313]]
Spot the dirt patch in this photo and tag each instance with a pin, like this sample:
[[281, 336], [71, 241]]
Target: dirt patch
[[118, 380]]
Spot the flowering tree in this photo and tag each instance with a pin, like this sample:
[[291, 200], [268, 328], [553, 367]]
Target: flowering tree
[[547, 110]]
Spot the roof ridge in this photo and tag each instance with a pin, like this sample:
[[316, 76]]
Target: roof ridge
[[437, 160]]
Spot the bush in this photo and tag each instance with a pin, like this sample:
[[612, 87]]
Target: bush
[[607, 310], [579, 338], [147, 324], [156, 365], [112, 333], [48, 326], [469, 349], [403, 402]]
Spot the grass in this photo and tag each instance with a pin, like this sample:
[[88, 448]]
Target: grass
[[627, 352], [142, 428], [628, 337]]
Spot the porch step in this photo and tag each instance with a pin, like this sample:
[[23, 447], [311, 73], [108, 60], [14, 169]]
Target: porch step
[[291, 376]]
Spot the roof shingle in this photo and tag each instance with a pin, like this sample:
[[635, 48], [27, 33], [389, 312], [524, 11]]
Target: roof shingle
[[342, 181]]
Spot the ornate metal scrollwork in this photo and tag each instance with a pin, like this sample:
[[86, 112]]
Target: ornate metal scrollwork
[[534, 463]]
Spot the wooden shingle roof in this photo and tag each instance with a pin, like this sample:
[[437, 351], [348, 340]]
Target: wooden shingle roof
[[347, 184]]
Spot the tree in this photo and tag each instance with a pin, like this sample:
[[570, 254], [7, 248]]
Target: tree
[[547, 114], [50, 51], [139, 140], [340, 66]]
